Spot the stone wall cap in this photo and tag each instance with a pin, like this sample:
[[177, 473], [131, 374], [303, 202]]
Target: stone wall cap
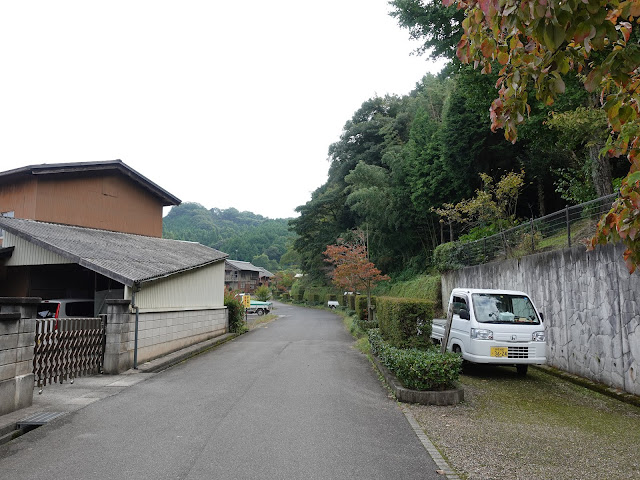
[[20, 300]]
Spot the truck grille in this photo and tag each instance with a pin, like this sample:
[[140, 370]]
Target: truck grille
[[518, 352]]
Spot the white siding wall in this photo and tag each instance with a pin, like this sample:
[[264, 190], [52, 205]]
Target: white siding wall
[[198, 289], [27, 253]]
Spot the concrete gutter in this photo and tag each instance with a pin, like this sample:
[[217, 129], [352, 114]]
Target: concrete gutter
[[612, 392]]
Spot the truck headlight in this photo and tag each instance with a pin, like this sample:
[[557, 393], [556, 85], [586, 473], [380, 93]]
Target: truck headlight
[[537, 336], [481, 334]]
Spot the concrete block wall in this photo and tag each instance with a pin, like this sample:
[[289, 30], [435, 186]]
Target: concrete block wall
[[159, 333], [17, 342], [590, 302]]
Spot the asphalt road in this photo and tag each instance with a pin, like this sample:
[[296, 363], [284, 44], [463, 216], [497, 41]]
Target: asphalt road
[[291, 400]]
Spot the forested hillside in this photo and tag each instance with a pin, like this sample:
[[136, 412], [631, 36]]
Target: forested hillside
[[400, 157], [243, 235]]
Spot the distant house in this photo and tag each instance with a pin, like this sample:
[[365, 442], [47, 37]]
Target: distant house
[[108, 195], [265, 276], [244, 276]]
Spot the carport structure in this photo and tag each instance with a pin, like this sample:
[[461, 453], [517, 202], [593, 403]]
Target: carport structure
[[171, 290]]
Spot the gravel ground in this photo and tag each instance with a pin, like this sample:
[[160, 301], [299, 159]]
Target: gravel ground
[[533, 427]]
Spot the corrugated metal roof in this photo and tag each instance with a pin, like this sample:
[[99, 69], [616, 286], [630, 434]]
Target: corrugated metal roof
[[123, 257]]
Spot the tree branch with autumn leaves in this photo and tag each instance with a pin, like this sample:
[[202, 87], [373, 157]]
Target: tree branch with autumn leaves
[[536, 43]]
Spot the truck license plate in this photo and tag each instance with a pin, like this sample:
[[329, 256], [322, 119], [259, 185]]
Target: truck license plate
[[499, 352]]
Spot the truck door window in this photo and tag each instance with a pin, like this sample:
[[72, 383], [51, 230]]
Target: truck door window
[[458, 303]]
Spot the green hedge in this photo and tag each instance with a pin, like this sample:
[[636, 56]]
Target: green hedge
[[417, 369], [349, 301], [361, 306], [405, 322], [363, 321]]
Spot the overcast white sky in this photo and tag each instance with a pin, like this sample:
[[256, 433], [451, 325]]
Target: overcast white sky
[[224, 103]]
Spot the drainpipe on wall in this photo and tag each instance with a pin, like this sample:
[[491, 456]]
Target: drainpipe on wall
[[135, 288]]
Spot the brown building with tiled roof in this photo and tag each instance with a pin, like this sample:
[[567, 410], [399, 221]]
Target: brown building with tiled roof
[[108, 195]]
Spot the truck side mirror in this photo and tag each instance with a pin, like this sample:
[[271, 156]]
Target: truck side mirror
[[542, 316], [464, 314]]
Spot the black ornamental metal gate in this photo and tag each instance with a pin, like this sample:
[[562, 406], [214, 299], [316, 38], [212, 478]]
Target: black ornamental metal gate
[[66, 348]]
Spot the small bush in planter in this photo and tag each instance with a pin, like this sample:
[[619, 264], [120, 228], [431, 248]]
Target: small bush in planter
[[415, 368]]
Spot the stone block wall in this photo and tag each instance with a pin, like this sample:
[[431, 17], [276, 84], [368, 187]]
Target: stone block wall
[[159, 333], [590, 302], [17, 341]]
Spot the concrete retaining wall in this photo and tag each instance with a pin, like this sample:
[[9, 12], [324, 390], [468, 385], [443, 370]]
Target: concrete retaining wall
[[590, 302]]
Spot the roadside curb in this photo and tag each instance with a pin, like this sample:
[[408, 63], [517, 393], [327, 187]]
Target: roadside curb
[[441, 463]]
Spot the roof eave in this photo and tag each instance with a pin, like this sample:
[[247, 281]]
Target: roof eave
[[175, 272], [54, 168]]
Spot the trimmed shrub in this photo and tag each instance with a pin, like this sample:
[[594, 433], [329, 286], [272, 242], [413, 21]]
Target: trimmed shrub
[[363, 315], [417, 369], [349, 301], [263, 293], [315, 294], [405, 322], [448, 256], [236, 313]]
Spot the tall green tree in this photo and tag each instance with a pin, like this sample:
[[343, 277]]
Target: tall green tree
[[437, 26]]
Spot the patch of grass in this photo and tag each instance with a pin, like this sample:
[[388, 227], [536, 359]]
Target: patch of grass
[[422, 286], [362, 345], [263, 320], [535, 427]]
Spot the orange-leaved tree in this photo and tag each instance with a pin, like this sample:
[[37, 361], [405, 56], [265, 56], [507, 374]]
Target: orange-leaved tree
[[353, 271], [535, 43]]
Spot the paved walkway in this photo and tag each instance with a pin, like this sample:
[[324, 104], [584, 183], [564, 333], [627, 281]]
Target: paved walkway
[[292, 399]]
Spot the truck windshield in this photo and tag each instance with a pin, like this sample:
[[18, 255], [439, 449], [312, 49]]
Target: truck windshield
[[499, 308]]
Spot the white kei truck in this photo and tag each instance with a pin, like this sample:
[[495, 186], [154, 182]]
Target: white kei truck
[[501, 327]]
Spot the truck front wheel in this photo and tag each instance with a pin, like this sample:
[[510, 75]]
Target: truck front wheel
[[260, 311], [522, 369]]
